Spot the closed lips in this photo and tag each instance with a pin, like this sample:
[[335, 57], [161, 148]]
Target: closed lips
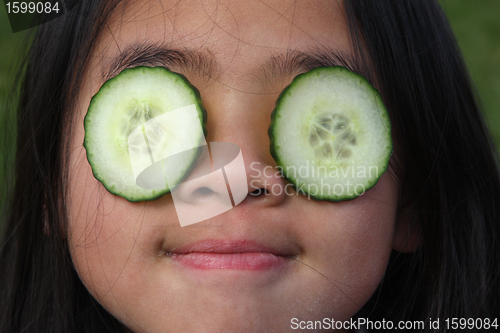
[[225, 254]]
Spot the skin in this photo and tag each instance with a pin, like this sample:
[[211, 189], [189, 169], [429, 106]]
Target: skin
[[119, 248]]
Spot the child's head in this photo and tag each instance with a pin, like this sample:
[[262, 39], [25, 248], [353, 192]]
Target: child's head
[[311, 259], [239, 55]]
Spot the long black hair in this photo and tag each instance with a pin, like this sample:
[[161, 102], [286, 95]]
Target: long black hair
[[39, 288], [444, 161]]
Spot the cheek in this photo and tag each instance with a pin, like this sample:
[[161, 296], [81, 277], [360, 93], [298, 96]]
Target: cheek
[[350, 244], [105, 233]]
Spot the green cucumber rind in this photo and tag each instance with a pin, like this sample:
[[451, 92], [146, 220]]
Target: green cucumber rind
[[272, 128], [141, 193]]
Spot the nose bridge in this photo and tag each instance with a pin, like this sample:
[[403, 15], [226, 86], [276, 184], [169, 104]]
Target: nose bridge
[[243, 118], [240, 117]]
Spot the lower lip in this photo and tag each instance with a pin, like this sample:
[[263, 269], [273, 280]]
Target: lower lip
[[243, 261]]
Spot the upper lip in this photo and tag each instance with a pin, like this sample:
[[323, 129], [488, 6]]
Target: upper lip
[[223, 246]]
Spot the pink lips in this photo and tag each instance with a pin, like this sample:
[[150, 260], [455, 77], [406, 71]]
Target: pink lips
[[223, 254]]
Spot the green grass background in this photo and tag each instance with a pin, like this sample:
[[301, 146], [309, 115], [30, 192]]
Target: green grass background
[[476, 25]]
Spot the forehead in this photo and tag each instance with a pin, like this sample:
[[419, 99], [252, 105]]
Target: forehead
[[238, 35], [192, 22]]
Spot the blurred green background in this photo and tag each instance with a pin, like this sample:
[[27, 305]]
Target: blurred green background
[[476, 25]]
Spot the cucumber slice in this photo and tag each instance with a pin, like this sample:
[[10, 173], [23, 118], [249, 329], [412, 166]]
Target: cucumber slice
[[134, 123], [331, 134]]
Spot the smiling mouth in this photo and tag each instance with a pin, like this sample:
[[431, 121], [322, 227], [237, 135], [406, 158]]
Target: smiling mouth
[[225, 254]]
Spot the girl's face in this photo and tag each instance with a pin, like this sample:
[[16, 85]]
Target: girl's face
[[316, 259]]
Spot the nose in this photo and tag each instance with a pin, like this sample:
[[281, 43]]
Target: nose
[[223, 178], [242, 119], [266, 186]]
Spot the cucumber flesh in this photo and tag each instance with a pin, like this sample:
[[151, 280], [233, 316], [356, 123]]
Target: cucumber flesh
[[134, 123], [330, 134]]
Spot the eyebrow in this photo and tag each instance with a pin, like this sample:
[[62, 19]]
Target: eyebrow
[[203, 63], [295, 62]]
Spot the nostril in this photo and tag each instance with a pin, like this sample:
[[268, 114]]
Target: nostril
[[259, 192], [203, 192]]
